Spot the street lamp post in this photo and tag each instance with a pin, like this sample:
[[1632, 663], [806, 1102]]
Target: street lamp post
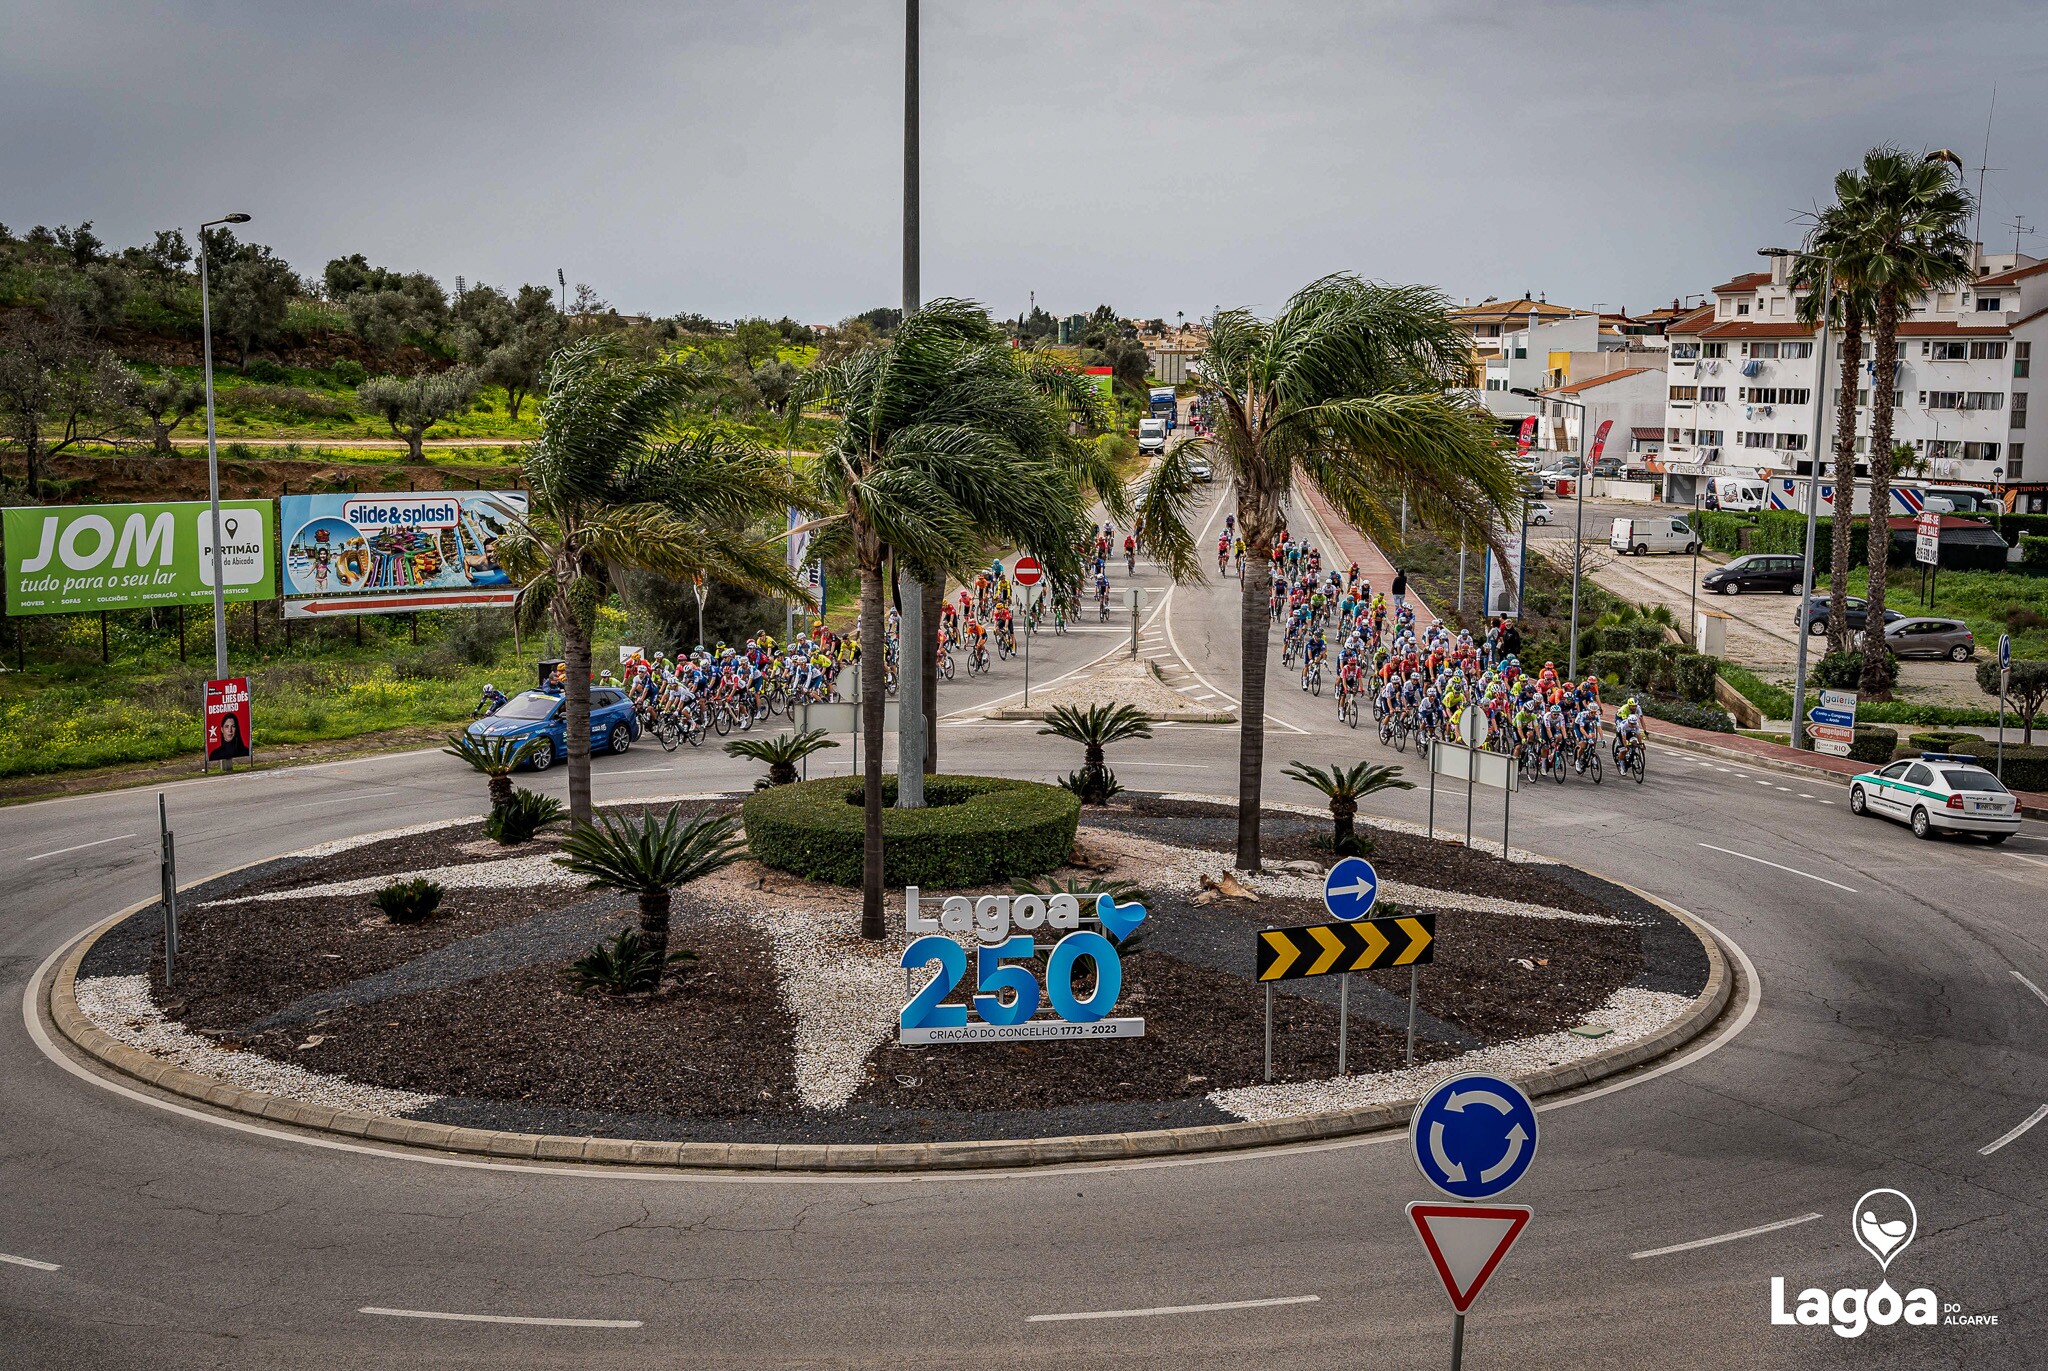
[[1820, 385], [220, 611], [1578, 523]]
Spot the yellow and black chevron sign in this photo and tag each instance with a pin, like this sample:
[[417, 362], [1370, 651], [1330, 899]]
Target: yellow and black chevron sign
[[1287, 954]]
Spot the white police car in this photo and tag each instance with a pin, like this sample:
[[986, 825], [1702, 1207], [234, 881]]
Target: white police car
[[1938, 791]]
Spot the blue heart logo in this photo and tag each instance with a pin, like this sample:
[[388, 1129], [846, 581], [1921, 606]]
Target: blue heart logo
[[1119, 919]]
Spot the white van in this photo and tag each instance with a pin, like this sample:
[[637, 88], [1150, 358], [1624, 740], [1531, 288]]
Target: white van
[[1735, 493], [1638, 537], [1151, 435]]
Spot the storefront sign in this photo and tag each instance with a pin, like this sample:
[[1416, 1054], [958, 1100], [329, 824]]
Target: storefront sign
[[394, 553], [68, 559], [227, 720]]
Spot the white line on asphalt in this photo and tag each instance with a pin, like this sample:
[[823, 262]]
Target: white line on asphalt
[[1173, 1309], [96, 842], [1804, 796], [499, 1318], [2031, 1120], [1827, 802], [1174, 766], [1792, 869], [640, 771], [30, 1262], [1724, 1237], [2039, 994]]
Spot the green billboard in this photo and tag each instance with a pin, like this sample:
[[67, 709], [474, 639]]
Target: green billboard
[[68, 559]]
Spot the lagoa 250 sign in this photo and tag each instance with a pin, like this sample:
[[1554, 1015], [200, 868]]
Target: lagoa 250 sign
[[1008, 999]]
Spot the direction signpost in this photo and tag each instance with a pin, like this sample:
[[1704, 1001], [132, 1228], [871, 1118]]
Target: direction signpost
[[1026, 573], [2004, 682], [1831, 724], [1474, 1137]]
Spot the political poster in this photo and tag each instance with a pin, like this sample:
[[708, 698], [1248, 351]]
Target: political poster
[[71, 559], [395, 553], [227, 721]]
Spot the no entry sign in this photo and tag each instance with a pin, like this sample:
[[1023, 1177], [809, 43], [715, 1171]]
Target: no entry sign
[[1028, 571]]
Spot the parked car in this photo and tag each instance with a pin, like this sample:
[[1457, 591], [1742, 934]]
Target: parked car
[[535, 713], [1199, 468], [1820, 610], [1607, 466], [1539, 512], [1780, 571], [1938, 792], [1638, 537], [1925, 637]]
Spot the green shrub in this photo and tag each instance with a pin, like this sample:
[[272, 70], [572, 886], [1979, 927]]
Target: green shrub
[[1645, 668], [2026, 768], [522, 816], [409, 902], [1873, 744], [1693, 674], [266, 372], [626, 965], [1605, 664], [1710, 717], [1838, 670], [1945, 742], [2034, 551], [348, 372], [973, 830]]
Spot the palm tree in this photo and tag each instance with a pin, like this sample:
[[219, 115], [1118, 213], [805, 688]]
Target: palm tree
[[496, 756], [781, 753], [651, 859], [1348, 387], [1095, 728], [1344, 788], [1832, 252], [942, 442], [620, 480], [1904, 233]]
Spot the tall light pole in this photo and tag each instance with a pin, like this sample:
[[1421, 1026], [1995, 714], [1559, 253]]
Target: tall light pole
[[910, 725], [220, 608], [1820, 390], [1571, 670]]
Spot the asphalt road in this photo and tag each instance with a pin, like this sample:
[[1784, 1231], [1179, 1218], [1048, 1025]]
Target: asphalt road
[[1889, 1040]]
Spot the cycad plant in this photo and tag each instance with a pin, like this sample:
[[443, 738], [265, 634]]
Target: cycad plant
[[1344, 787], [496, 756], [1095, 728], [781, 753], [649, 859]]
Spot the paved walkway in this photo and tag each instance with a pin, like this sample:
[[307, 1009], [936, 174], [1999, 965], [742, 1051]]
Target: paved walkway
[[1352, 546]]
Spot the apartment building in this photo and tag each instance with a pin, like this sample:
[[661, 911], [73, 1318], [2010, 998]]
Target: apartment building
[[1631, 399], [1743, 383]]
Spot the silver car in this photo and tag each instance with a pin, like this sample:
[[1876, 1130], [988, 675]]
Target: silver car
[[1928, 637]]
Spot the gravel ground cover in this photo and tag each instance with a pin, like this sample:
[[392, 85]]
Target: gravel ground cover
[[783, 1030]]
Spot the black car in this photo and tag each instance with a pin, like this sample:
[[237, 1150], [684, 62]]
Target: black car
[[1857, 612], [1784, 572]]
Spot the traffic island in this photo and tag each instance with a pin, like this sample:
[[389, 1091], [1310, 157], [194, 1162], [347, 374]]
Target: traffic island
[[778, 1044]]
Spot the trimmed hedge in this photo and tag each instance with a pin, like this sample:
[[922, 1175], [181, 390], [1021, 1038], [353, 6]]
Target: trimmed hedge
[[1946, 742], [974, 830], [1874, 745], [2034, 551], [1710, 717], [2026, 768]]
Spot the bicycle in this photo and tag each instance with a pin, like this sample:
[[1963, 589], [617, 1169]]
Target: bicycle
[[1102, 604], [944, 663], [1588, 759], [977, 660], [1312, 677], [1632, 760], [1347, 707], [1130, 563]]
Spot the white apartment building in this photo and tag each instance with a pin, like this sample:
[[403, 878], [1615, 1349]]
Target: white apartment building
[[1538, 355], [1631, 399], [1743, 383]]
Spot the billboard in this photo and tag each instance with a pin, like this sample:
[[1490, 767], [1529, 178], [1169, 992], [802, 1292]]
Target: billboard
[[394, 553], [68, 559]]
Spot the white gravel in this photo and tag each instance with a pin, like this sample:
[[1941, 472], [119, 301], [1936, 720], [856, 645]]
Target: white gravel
[[844, 994], [506, 875], [120, 1007], [1369, 820], [333, 846], [1632, 1014]]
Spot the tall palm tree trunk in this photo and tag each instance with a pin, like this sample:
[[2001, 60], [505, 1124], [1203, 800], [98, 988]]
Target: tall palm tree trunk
[[1876, 682], [654, 926], [928, 664], [1254, 643], [874, 628], [1845, 485]]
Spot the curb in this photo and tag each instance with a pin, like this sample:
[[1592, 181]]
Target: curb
[[58, 999], [1011, 713]]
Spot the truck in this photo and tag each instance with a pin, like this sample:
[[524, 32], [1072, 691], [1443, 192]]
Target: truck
[[1908, 497], [1151, 435], [1165, 406], [1661, 533]]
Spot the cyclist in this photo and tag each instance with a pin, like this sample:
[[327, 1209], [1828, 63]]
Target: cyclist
[[1312, 656], [492, 701]]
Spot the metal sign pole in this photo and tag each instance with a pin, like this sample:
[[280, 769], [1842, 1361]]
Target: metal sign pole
[[2004, 675], [1471, 780], [1269, 1030], [1412, 979], [1507, 801], [1432, 799], [1457, 1341], [168, 875], [1343, 1022]]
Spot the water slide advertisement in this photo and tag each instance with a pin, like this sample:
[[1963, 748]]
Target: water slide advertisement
[[71, 559], [395, 553]]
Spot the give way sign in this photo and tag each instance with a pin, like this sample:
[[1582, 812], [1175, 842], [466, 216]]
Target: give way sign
[[1466, 1243]]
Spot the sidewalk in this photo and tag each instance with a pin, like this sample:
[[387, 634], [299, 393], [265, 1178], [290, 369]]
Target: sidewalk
[[1352, 546]]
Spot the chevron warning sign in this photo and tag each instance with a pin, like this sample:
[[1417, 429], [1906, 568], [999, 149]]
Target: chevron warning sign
[[1287, 954]]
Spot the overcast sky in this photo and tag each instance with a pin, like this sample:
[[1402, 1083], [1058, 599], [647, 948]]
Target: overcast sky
[[745, 158]]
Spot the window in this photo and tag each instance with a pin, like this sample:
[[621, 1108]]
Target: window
[[1984, 399], [1980, 452], [1684, 352], [1760, 349], [1684, 393], [1714, 395], [1713, 350], [1942, 450], [1775, 395], [1987, 304], [1496, 383], [1741, 307], [1757, 440], [1988, 349], [2019, 409], [1710, 437], [1946, 351], [1862, 398], [1796, 350], [1778, 306], [1792, 442], [1941, 399], [1917, 774], [2013, 455], [2022, 359]]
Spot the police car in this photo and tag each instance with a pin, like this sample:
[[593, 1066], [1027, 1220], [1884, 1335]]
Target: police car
[[1938, 791]]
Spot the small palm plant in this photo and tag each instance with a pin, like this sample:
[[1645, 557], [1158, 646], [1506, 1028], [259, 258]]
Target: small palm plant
[[1344, 788], [495, 756], [780, 753], [649, 859], [1095, 728]]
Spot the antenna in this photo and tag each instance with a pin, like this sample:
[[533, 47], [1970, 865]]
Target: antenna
[[1977, 233], [2018, 228]]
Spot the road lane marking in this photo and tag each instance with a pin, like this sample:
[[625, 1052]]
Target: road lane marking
[[1723, 1237], [2039, 994], [1174, 1309], [2031, 1120], [96, 842], [498, 1318], [638, 771], [30, 1262], [1792, 869]]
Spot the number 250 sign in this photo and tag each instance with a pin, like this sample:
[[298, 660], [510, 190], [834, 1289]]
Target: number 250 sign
[[1006, 1005]]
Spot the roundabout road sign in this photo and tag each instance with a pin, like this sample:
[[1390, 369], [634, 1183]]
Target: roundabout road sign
[[1350, 889], [1474, 1136]]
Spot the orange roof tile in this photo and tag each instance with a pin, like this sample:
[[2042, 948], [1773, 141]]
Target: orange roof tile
[[2007, 278], [1577, 386], [1744, 283]]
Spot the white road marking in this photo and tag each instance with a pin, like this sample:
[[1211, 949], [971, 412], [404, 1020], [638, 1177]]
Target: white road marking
[[1786, 788], [499, 1318], [1792, 869], [2031, 1120], [638, 771], [2039, 994], [30, 1262], [1173, 1309], [1724, 1237], [1827, 802], [1174, 766], [1804, 796], [96, 842]]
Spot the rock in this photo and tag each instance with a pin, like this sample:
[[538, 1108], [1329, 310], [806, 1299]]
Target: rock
[[1298, 867]]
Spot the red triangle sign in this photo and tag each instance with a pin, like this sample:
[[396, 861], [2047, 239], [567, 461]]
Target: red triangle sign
[[1467, 1242]]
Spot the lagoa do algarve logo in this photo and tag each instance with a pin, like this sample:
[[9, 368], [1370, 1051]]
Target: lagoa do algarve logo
[[1884, 1223]]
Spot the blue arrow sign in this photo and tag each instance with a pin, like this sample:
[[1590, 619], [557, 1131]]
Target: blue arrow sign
[[2004, 651], [1840, 718], [1350, 889], [1474, 1136]]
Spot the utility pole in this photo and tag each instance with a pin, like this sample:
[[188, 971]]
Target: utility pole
[[910, 727]]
